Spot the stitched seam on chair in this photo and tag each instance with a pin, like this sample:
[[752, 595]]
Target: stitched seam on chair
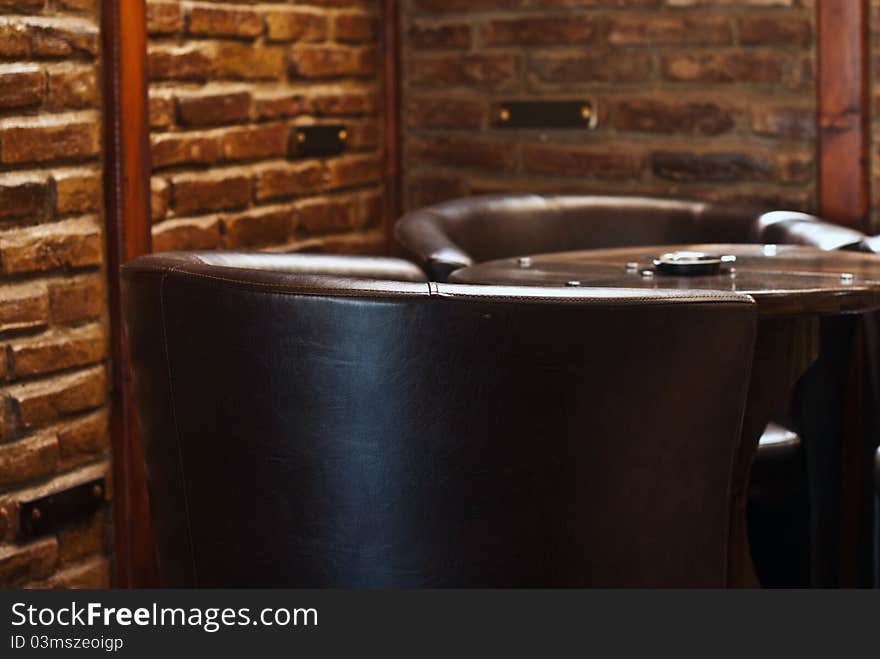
[[177, 429], [305, 290], [611, 301]]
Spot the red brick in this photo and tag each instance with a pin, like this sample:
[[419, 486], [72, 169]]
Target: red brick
[[21, 86], [735, 66], [254, 142], [24, 306], [295, 24], [327, 215], [188, 62], [592, 67], [332, 61], [464, 152], [431, 189], [278, 104], [160, 198], [445, 112], [469, 5], [47, 36], [213, 108], [720, 167], [442, 36], [20, 563], [241, 61], [82, 539], [77, 190], [84, 437], [195, 193], [349, 102], [92, 574], [785, 122], [655, 116], [49, 137], [539, 31], [28, 459], [57, 350], [493, 72], [161, 110], [559, 160], [73, 88], [38, 403], [355, 28], [224, 22], [363, 135], [264, 226], [23, 195], [200, 233], [351, 171], [71, 243], [168, 149], [782, 30], [654, 30], [164, 17], [289, 180], [76, 299]]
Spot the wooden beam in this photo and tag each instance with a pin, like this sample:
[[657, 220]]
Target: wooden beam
[[127, 234], [391, 96], [844, 121]]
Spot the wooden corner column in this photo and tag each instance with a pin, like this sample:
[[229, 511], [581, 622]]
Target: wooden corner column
[[391, 104], [127, 234], [844, 120]]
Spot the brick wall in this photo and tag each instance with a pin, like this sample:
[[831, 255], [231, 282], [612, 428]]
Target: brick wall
[[709, 99], [228, 83], [53, 382]]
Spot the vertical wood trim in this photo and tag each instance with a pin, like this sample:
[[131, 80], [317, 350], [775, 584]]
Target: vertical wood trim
[[844, 122], [391, 96], [127, 234]]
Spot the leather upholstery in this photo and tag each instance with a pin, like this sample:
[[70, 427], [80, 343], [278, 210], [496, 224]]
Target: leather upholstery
[[314, 431], [455, 234]]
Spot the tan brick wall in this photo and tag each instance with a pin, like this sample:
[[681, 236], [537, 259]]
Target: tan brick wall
[[228, 84], [53, 345], [709, 99]]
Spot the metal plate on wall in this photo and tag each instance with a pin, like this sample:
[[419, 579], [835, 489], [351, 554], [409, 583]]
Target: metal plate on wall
[[47, 514], [319, 141], [544, 114]]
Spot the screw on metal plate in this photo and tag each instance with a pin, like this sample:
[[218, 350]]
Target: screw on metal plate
[[732, 272], [632, 266], [846, 278], [647, 274], [524, 262], [573, 282]]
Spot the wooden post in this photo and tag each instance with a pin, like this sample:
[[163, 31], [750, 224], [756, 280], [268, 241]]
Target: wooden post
[[844, 121], [127, 234], [391, 48]]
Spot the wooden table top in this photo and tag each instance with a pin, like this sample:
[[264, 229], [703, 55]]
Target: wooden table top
[[783, 279]]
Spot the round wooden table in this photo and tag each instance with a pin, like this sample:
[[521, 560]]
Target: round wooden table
[[792, 286]]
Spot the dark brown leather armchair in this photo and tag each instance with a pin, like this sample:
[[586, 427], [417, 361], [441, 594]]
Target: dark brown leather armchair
[[455, 234], [309, 430]]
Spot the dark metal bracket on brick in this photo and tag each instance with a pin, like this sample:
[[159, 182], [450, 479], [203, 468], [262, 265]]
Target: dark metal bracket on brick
[[49, 513], [319, 141], [545, 114]]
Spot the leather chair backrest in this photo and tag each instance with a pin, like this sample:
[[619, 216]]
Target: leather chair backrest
[[454, 234], [314, 431]]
